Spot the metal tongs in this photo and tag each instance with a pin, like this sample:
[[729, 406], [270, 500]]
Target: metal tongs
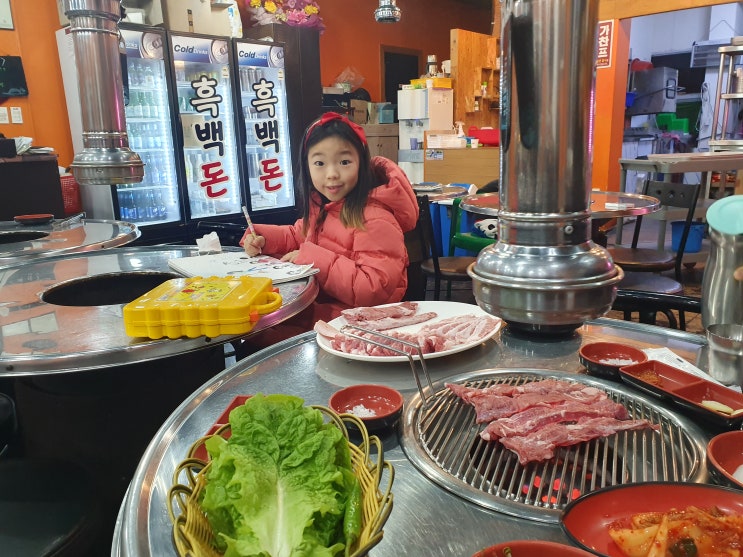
[[347, 330], [67, 222]]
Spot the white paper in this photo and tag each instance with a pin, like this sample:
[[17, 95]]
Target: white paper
[[236, 264], [16, 115], [669, 357], [4, 115]]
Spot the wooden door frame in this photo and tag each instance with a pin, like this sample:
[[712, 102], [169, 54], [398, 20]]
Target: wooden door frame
[[384, 49]]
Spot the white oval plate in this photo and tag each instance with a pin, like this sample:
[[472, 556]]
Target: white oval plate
[[443, 310]]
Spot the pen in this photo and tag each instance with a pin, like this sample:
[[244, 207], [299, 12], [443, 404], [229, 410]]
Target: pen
[[250, 222]]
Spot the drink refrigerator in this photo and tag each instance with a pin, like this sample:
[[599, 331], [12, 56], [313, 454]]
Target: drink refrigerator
[[264, 128], [155, 204]]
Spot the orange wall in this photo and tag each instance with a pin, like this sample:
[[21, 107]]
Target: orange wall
[[355, 39], [352, 38], [44, 110]]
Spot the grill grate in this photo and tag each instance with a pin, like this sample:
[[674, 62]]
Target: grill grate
[[442, 440]]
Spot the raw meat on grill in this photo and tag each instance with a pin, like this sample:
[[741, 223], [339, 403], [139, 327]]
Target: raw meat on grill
[[541, 444], [501, 401], [533, 419], [536, 417]]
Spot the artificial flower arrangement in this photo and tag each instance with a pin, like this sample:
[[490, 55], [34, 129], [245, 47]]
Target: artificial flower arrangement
[[299, 13]]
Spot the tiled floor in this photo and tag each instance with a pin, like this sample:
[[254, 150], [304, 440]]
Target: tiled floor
[[691, 279]]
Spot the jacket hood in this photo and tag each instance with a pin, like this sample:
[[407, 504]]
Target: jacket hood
[[396, 193]]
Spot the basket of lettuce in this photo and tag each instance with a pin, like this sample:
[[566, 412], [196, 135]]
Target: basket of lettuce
[[281, 479]]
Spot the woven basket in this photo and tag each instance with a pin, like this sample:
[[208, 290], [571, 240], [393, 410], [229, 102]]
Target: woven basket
[[193, 534]]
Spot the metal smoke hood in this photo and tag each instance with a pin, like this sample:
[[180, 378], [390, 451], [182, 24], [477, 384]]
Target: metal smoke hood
[[106, 158], [545, 274]]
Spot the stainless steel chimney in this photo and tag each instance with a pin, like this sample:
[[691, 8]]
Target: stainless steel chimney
[[106, 157], [545, 274]]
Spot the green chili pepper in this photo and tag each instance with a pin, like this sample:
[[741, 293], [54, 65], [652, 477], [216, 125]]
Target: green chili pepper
[[353, 515]]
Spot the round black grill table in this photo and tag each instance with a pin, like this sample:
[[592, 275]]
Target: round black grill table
[[21, 243], [86, 391]]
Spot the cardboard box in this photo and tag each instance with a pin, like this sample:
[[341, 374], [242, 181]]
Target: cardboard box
[[360, 112]]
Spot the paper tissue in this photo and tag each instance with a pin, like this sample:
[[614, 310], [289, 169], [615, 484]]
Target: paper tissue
[[209, 243]]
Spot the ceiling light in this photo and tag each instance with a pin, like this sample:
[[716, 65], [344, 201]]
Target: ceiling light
[[387, 12]]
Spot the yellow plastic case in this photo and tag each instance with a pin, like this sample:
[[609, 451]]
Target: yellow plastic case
[[197, 306]]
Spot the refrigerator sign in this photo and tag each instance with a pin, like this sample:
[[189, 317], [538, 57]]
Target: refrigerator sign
[[143, 44], [253, 55], [267, 133], [210, 134], [192, 49]]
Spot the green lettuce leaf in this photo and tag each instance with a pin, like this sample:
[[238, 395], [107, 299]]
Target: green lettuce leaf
[[282, 484]]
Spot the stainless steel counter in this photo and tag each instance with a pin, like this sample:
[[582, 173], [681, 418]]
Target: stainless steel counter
[[41, 337], [23, 243], [426, 519]]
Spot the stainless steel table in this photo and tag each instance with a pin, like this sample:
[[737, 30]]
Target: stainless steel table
[[446, 192], [605, 205], [67, 335], [83, 388], [426, 519], [679, 163], [676, 163], [24, 243]]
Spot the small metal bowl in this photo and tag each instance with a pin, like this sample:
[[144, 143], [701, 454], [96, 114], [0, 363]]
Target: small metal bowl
[[378, 406], [725, 456], [604, 359]]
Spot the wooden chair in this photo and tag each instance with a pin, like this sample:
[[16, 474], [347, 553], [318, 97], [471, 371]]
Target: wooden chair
[[642, 266], [448, 269]]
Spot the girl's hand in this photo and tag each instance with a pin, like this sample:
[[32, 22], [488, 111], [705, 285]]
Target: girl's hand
[[291, 256], [253, 245], [738, 273]]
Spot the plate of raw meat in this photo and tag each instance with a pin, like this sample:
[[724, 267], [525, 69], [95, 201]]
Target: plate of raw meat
[[439, 328]]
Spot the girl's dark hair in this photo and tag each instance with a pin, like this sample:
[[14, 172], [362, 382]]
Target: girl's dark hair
[[352, 212]]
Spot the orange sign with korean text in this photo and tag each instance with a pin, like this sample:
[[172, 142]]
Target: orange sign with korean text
[[603, 48]]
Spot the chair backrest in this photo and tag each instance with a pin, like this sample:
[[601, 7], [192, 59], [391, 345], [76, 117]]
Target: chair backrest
[[426, 234], [672, 194], [420, 246]]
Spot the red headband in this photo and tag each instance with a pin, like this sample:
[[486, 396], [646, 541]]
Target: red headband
[[329, 117]]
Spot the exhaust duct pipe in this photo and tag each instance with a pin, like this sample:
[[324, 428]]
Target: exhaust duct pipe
[[545, 274], [106, 158]]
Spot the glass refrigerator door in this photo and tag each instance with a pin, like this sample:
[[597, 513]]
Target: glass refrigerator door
[[202, 73], [148, 125], [262, 86]]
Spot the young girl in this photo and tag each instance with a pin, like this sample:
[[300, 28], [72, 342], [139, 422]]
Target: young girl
[[355, 212]]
